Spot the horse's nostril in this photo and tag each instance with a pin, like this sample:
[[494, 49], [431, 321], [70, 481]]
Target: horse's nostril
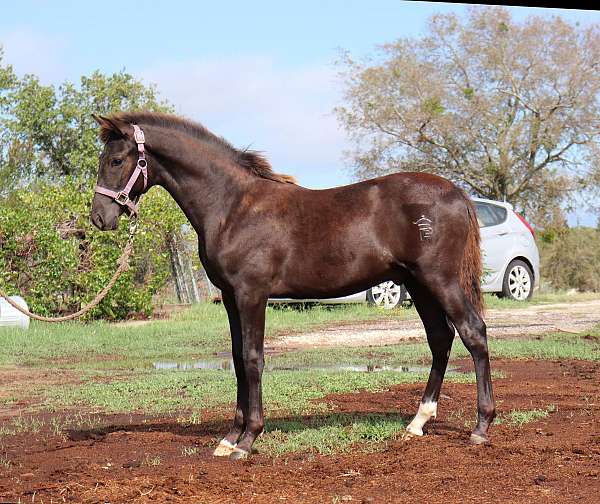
[[97, 220]]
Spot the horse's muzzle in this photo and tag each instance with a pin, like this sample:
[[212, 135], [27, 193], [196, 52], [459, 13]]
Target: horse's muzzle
[[101, 224]]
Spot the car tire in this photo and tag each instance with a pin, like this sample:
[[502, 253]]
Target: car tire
[[387, 295], [518, 281]]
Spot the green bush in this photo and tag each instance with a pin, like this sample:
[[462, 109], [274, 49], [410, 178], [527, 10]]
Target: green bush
[[570, 258], [52, 256]]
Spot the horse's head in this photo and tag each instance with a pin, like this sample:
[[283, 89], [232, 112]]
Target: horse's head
[[119, 160]]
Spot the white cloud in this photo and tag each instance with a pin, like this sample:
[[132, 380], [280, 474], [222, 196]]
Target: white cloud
[[284, 111], [33, 52]]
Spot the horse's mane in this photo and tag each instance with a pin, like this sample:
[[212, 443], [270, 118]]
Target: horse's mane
[[251, 160]]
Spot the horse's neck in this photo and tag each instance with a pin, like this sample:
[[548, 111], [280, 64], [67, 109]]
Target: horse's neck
[[203, 184]]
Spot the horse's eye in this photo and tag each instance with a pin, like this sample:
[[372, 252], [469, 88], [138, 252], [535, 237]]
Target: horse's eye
[[116, 162]]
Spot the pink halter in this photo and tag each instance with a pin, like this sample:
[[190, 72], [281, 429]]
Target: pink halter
[[122, 197]]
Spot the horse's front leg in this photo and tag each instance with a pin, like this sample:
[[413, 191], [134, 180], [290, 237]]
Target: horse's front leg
[[251, 307], [229, 442]]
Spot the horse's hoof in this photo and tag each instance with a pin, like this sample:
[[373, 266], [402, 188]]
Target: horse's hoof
[[224, 449], [412, 432], [239, 454], [478, 439], [409, 434]]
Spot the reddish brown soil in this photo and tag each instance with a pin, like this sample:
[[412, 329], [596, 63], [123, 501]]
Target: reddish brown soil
[[553, 460]]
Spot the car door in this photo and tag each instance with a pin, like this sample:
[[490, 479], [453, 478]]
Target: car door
[[495, 241]]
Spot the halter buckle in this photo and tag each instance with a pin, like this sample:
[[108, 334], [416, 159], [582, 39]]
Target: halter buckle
[[138, 134], [122, 198]]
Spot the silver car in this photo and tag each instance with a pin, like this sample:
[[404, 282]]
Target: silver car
[[510, 255]]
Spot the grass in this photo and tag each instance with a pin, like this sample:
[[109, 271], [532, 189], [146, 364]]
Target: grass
[[21, 424], [74, 421], [189, 451], [329, 433], [151, 461], [113, 363], [193, 419], [198, 332], [57, 425], [549, 346], [5, 462], [284, 392], [519, 418]]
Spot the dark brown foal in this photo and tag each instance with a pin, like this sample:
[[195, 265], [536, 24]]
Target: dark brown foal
[[261, 235]]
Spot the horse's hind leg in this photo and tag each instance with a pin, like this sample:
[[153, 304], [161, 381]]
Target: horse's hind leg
[[472, 331], [440, 334]]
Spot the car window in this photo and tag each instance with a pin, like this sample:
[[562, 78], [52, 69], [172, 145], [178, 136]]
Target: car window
[[489, 215]]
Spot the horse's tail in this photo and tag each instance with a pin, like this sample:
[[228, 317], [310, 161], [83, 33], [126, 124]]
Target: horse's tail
[[471, 267]]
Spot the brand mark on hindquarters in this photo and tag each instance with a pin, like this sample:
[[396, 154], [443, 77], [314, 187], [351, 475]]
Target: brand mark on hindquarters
[[425, 227]]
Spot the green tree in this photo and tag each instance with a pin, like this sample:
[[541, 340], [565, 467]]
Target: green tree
[[8, 81], [49, 148], [570, 258], [56, 126], [506, 109], [51, 254]]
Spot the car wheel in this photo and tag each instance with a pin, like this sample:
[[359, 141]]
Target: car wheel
[[518, 281], [387, 295]]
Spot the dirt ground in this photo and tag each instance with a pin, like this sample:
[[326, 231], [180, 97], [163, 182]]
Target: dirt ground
[[140, 459], [536, 319]]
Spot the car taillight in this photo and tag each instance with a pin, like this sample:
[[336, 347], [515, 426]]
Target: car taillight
[[527, 225]]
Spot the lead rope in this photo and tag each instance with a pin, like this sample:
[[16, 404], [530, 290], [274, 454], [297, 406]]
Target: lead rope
[[123, 263]]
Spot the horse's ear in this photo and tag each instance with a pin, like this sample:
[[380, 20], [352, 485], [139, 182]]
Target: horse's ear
[[113, 126]]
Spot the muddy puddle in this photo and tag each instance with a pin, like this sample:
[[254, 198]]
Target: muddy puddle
[[227, 365]]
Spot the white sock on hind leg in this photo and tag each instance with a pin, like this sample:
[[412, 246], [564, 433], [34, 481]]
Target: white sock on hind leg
[[224, 449], [425, 412]]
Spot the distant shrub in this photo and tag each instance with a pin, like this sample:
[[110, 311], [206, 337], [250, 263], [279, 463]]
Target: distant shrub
[[52, 256], [570, 258]]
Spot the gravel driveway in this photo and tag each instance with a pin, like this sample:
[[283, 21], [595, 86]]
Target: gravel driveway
[[536, 319]]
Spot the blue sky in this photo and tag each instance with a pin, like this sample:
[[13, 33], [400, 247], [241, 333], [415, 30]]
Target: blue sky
[[258, 73]]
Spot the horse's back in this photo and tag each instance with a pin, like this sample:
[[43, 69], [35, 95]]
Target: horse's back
[[403, 187], [340, 239], [395, 200]]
